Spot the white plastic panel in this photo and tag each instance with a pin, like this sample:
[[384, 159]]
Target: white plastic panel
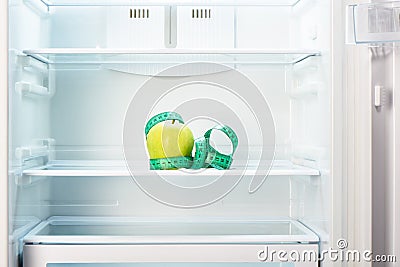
[[135, 27], [258, 28], [268, 24], [206, 27]]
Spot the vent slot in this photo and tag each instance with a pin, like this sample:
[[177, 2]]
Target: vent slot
[[201, 13], [139, 13]]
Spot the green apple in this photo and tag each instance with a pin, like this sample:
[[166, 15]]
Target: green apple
[[170, 139]]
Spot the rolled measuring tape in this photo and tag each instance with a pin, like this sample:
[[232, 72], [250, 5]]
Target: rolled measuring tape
[[205, 155]]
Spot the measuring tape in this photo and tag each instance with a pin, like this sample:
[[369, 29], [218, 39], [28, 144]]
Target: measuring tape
[[205, 156]]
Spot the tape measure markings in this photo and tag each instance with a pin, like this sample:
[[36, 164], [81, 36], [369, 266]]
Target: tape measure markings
[[205, 155]]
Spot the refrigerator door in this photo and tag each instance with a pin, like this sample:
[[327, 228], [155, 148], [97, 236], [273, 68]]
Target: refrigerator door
[[377, 26]]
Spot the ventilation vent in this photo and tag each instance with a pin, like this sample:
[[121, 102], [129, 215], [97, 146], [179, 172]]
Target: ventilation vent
[[138, 13], [201, 13]]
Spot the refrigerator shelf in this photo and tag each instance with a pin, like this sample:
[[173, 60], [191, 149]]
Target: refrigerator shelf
[[373, 23], [71, 168], [140, 230], [100, 56], [49, 3]]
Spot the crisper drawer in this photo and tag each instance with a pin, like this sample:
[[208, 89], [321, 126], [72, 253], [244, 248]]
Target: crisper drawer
[[148, 242]]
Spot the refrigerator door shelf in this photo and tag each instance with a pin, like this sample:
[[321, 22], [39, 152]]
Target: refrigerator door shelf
[[132, 230], [65, 168], [97, 56], [373, 23]]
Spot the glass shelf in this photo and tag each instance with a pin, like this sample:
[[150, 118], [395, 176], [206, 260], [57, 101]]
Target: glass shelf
[[71, 168], [128, 230], [168, 2], [71, 56], [373, 23]]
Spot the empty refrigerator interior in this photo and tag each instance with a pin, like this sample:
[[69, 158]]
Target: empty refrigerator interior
[[75, 67]]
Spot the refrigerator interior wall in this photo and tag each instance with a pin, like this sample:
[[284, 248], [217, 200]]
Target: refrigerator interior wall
[[76, 110], [29, 119]]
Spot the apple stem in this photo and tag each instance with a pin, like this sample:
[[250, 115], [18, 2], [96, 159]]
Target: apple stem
[[173, 121]]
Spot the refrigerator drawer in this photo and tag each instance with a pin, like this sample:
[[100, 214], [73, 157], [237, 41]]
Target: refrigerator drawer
[[161, 255], [121, 240]]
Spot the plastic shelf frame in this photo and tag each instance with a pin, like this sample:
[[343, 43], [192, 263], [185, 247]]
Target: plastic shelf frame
[[54, 56]]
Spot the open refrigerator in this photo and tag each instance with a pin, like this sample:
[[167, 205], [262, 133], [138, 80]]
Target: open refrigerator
[[74, 72]]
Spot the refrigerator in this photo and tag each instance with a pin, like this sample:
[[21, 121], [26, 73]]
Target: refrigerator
[[284, 117]]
